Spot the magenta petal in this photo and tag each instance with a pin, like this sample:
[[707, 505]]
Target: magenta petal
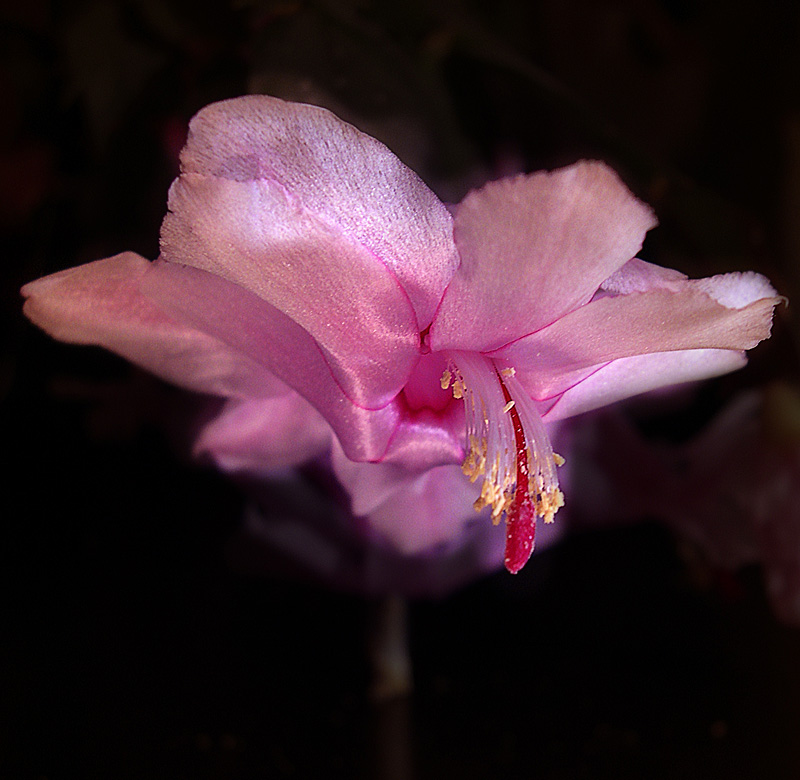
[[425, 439], [534, 248], [630, 376], [268, 337], [100, 303], [618, 327], [259, 436], [252, 234], [345, 178]]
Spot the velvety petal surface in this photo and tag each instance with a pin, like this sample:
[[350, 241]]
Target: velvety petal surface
[[251, 327], [101, 303], [260, 436], [345, 178], [256, 235], [534, 248], [659, 320]]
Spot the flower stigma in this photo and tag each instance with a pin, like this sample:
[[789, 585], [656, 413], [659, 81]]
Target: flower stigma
[[509, 448]]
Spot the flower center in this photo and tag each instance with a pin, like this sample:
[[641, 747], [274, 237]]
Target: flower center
[[509, 448]]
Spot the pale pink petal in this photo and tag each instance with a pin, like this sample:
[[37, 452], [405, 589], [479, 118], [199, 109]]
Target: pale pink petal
[[422, 441], [431, 510], [611, 328], [534, 248], [347, 179], [634, 375], [253, 234], [368, 484], [413, 510], [100, 303], [260, 436], [252, 327]]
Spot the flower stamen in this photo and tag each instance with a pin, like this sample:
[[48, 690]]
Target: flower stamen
[[509, 448]]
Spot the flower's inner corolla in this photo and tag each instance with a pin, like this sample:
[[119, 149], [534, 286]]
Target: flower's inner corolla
[[508, 447]]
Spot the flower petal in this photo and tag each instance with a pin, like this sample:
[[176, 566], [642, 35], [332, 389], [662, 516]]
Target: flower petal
[[639, 276], [251, 233], [252, 327], [100, 303], [659, 320], [420, 444], [631, 376], [413, 510], [368, 484], [260, 436], [433, 509], [345, 178], [534, 248], [425, 438]]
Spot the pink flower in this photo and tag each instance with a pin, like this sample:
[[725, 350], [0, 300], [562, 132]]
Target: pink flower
[[313, 280]]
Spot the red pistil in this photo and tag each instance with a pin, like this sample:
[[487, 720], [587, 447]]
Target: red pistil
[[521, 515]]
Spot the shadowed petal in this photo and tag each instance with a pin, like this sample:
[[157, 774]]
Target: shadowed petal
[[534, 248], [259, 436], [268, 337], [251, 233], [345, 178], [100, 303], [655, 321], [639, 276]]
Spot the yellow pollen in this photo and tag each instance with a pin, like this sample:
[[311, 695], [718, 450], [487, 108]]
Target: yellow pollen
[[458, 389], [547, 503], [510, 371], [447, 377], [474, 464], [559, 461]]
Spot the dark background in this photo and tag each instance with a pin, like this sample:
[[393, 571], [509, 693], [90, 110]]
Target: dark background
[[132, 644]]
